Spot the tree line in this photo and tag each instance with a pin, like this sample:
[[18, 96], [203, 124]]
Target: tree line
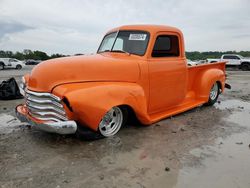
[[39, 55], [29, 54]]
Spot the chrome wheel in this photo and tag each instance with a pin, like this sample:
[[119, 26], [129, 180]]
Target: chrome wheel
[[111, 122], [214, 91]]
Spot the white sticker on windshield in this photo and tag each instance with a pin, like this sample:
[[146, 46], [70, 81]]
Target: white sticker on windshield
[[137, 37]]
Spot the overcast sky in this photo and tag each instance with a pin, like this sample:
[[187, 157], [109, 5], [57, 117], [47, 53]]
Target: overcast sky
[[77, 26]]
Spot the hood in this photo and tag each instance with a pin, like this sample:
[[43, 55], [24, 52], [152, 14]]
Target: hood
[[100, 67]]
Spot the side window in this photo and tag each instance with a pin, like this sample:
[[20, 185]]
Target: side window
[[166, 46], [230, 57], [13, 60]]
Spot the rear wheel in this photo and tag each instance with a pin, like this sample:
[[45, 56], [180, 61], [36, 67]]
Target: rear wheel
[[18, 67], [245, 67], [112, 121], [213, 95]]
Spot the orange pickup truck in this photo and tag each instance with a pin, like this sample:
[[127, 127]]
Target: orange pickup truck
[[139, 68]]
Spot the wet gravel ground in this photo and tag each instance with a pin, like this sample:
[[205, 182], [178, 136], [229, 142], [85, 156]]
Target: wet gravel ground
[[204, 147]]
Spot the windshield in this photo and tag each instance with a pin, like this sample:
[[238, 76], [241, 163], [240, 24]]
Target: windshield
[[132, 42]]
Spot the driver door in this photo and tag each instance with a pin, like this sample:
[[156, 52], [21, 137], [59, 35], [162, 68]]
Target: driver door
[[167, 73]]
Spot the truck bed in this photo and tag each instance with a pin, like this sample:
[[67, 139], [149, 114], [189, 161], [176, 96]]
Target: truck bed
[[195, 74]]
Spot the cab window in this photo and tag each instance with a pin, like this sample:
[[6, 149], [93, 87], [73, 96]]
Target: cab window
[[230, 57], [12, 60], [166, 46]]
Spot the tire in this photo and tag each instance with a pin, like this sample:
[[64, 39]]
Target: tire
[[245, 67], [213, 94], [1, 66], [18, 67], [113, 121], [86, 134]]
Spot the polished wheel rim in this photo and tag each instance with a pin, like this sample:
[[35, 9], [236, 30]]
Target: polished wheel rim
[[214, 91], [111, 122]]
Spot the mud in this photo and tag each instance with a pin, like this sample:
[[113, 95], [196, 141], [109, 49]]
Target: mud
[[204, 147]]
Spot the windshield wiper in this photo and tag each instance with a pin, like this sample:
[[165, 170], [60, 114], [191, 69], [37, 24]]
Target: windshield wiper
[[122, 51]]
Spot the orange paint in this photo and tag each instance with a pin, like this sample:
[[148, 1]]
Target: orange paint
[[155, 88]]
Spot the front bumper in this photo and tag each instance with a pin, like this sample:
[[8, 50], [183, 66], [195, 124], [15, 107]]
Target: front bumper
[[62, 127]]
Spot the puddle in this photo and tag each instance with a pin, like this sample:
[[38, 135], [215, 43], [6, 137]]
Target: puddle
[[8, 123], [227, 162], [227, 165], [240, 111], [233, 104]]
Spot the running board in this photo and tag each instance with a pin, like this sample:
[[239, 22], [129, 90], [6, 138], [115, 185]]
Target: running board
[[176, 110]]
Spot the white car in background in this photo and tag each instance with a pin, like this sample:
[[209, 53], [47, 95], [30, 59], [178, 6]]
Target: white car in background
[[233, 60], [11, 63], [191, 63]]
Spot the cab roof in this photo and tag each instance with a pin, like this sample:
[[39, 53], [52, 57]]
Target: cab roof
[[148, 28]]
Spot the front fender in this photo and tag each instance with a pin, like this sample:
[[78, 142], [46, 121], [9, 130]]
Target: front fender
[[90, 101], [206, 80]]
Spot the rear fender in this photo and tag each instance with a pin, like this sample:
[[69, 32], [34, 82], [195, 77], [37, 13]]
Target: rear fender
[[90, 101], [206, 80]]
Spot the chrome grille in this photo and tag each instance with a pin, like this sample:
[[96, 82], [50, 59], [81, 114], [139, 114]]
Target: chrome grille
[[45, 106]]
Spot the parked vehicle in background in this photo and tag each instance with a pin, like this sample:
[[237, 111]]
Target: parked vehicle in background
[[196, 62], [32, 62], [234, 60], [191, 63], [11, 63], [139, 68]]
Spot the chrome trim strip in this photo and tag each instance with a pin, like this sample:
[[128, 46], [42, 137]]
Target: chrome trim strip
[[48, 114], [45, 108], [60, 127], [50, 119], [43, 95], [44, 101]]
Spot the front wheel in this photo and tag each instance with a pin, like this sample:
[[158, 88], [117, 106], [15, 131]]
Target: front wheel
[[112, 121], [1, 66], [214, 94]]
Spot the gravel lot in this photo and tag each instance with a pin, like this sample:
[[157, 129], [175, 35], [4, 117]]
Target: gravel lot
[[204, 147]]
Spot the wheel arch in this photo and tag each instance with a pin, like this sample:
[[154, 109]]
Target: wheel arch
[[245, 62], [2, 63], [90, 101], [206, 81]]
